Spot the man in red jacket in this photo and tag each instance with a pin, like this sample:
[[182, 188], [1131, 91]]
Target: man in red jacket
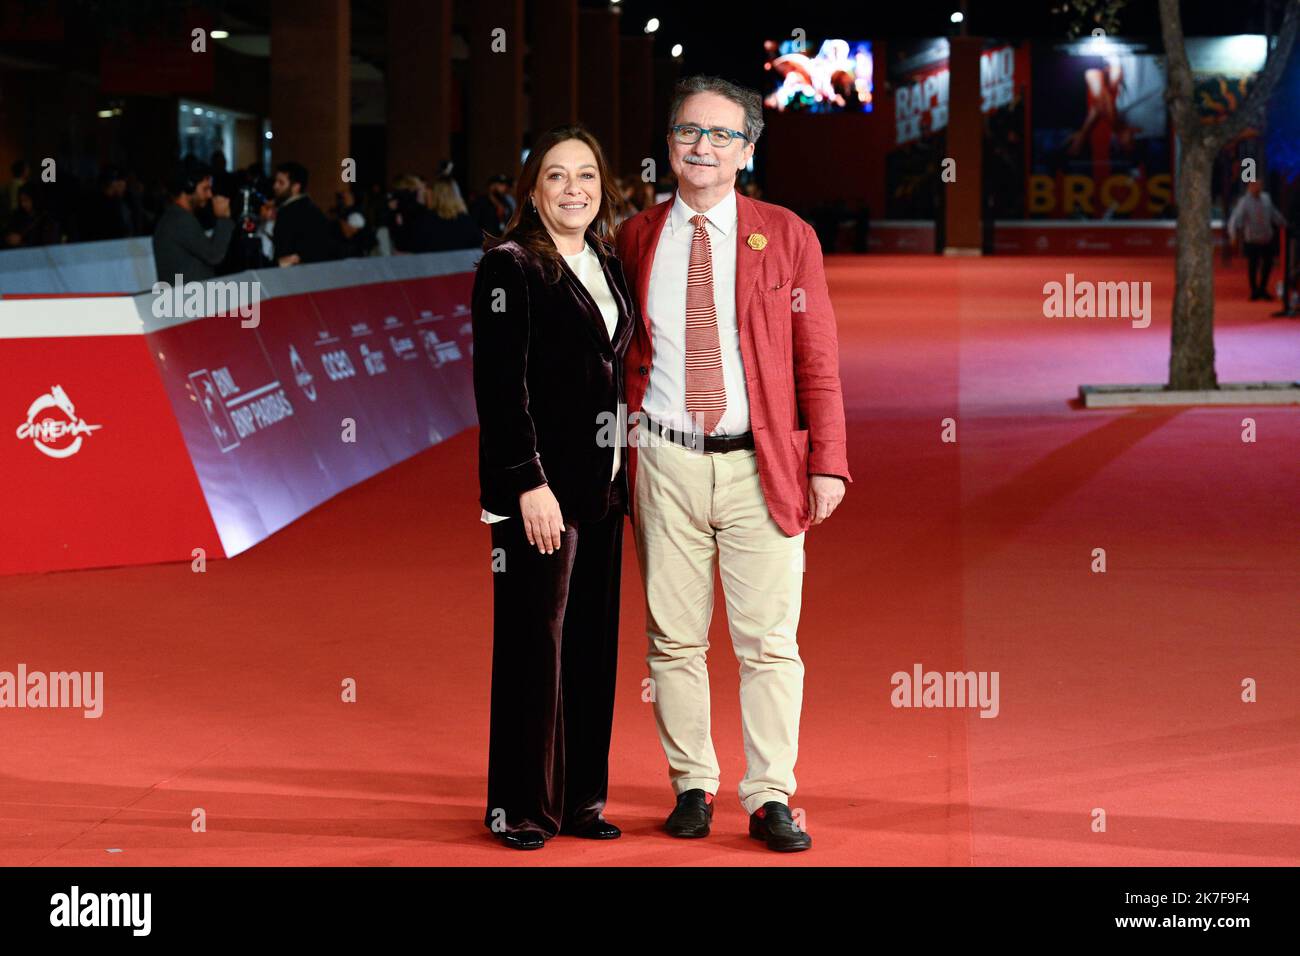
[[733, 381]]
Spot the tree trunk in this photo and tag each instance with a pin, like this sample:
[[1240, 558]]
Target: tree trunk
[[1191, 359]]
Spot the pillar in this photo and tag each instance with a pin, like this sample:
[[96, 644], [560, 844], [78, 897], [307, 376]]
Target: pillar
[[555, 56], [667, 71], [598, 95], [418, 81], [311, 104], [637, 123], [963, 206], [494, 121]]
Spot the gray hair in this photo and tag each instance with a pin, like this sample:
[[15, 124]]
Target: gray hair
[[748, 100]]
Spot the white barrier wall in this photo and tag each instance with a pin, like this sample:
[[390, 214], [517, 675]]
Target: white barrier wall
[[116, 265]]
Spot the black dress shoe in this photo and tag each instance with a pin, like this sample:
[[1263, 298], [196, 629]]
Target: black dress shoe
[[773, 824], [692, 815], [598, 829], [523, 839]]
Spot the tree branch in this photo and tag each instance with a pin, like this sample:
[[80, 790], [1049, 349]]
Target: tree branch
[[1251, 112]]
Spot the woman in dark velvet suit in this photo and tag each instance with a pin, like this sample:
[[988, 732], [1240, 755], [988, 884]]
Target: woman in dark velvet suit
[[552, 317]]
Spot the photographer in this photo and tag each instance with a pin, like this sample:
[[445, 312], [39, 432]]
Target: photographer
[[180, 246]]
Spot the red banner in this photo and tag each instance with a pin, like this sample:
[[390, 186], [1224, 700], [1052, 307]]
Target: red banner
[[129, 446], [93, 470], [330, 388], [1056, 239]]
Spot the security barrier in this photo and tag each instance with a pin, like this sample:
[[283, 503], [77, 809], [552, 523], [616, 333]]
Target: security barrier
[[210, 416]]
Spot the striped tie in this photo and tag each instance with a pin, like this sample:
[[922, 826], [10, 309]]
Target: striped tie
[[705, 391]]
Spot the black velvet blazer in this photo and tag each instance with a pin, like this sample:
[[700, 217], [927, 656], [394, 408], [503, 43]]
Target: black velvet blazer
[[546, 378]]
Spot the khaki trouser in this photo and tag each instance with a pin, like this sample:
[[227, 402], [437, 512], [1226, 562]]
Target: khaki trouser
[[689, 508]]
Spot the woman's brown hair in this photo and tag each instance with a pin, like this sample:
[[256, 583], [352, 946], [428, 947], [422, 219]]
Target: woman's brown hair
[[526, 227]]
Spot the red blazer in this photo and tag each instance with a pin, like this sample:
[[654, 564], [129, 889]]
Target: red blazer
[[791, 358]]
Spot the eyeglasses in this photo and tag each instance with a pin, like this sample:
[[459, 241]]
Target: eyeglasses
[[719, 136]]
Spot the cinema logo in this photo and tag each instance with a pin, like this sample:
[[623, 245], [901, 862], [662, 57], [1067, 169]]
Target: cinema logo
[[923, 688], [71, 690], [197, 300], [1098, 300], [75, 908], [53, 425]]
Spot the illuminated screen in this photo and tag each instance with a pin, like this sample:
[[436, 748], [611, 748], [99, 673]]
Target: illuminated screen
[[836, 80]]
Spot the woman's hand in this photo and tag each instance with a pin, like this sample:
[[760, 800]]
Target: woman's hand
[[543, 522]]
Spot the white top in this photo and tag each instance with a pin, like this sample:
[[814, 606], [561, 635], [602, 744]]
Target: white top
[[586, 266], [1258, 215], [665, 397]]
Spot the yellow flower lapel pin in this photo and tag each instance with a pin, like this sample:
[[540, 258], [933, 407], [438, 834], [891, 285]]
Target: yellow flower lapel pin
[[757, 241]]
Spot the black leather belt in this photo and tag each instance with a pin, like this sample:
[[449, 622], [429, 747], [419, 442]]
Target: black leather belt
[[718, 443]]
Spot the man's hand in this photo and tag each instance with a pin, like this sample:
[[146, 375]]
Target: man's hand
[[290, 260], [221, 207], [825, 492], [543, 522]]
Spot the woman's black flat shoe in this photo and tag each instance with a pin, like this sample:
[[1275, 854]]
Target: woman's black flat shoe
[[523, 840], [597, 830]]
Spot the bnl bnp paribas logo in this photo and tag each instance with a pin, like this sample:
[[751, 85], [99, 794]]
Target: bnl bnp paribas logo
[[53, 426], [233, 412]]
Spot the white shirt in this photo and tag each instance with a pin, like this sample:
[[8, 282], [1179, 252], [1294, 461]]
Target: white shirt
[[1258, 215], [586, 266], [665, 397]]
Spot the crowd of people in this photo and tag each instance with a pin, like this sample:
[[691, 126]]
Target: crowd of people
[[215, 221], [206, 220]]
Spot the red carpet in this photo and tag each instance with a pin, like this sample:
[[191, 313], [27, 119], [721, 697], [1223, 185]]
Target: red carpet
[[1118, 691]]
